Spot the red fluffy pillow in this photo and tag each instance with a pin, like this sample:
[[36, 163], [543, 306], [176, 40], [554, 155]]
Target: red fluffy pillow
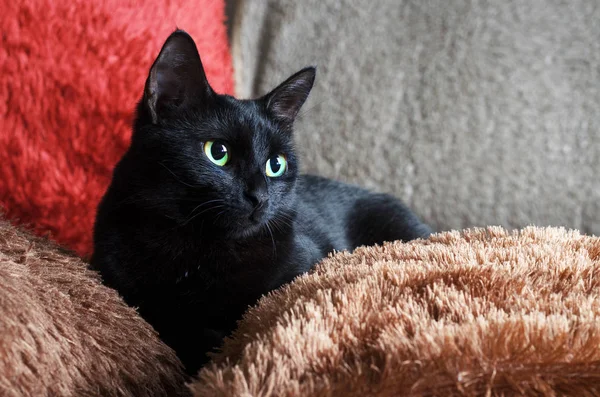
[[71, 73]]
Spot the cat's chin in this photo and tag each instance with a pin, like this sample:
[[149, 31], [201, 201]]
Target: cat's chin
[[251, 230], [248, 229]]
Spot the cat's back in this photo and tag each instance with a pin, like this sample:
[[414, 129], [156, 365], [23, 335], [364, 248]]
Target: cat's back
[[351, 216], [326, 194], [324, 206]]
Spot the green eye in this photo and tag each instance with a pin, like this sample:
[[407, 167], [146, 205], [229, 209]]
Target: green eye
[[216, 152], [276, 166]]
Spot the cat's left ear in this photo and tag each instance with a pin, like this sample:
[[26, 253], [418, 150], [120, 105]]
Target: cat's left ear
[[285, 101], [176, 78]]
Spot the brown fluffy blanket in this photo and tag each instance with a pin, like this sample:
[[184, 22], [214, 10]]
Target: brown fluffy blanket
[[64, 334], [484, 312]]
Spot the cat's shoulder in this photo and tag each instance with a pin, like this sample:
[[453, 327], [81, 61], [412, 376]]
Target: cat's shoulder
[[311, 183], [314, 180]]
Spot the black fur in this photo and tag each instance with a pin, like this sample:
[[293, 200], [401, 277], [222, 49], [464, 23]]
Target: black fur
[[193, 244]]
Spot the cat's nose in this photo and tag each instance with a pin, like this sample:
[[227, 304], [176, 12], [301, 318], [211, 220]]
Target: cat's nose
[[257, 198]]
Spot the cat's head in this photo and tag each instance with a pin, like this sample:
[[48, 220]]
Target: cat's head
[[214, 159]]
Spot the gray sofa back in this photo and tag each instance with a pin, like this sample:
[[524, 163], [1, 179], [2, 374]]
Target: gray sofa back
[[473, 112]]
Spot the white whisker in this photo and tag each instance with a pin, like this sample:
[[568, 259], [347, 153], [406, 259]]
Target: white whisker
[[272, 239], [202, 212], [175, 176]]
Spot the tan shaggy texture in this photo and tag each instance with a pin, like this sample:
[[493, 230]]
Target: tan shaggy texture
[[64, 334], [479, 313]]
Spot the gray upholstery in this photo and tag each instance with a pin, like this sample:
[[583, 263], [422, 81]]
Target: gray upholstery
[[473, 112]]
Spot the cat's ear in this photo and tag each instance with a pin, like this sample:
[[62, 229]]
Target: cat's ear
[[176, 78], [285, 101]]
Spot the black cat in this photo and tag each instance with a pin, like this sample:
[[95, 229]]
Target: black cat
[[206, 211]]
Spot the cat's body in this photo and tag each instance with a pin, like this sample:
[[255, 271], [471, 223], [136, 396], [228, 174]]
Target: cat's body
[[206, 211]]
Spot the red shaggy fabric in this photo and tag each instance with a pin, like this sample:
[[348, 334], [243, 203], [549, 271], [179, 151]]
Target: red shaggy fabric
[[71, 73]]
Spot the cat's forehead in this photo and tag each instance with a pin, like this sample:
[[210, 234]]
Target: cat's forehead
[[246, 123]]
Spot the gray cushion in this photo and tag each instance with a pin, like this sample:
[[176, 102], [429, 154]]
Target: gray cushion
[[474, 113]]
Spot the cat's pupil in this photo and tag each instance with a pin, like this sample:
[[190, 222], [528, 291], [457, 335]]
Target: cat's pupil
[[275, 164], [218, 150]]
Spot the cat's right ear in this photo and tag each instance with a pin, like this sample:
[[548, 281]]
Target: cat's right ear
[[176, 78], [285, 101]]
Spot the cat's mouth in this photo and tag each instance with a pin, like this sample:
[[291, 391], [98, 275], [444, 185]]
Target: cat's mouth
[[247, 229], [257, 215], [251, 224]]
